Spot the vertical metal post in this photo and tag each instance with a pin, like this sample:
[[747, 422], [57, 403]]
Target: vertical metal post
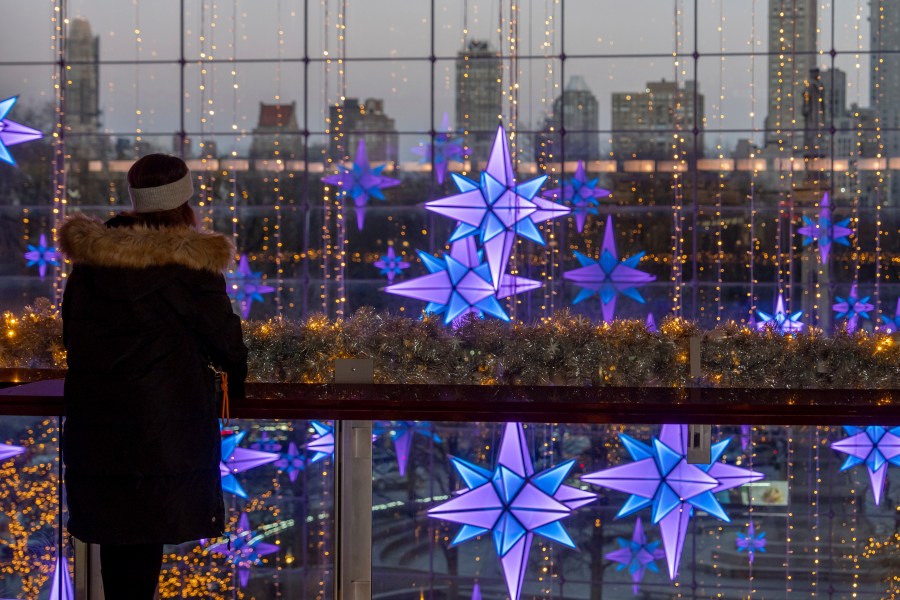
[[88, 583]]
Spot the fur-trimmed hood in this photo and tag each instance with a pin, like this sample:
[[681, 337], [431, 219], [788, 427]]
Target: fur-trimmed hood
[[89, 241]]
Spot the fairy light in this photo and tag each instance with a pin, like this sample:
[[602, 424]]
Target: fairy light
[[280, 165], [677, 148], [720, 188], [753, 242], [59, 21]]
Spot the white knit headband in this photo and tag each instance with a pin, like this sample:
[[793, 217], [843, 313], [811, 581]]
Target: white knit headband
[[162, 197]]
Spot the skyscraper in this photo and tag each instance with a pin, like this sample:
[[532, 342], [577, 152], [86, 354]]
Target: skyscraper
[[367, 121], [479, 74], [277, 134], [577, 111], [884, 27], [82, 78], [792, 56]]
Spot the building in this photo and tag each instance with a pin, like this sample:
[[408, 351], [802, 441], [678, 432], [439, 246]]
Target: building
[[884, 94], [575, 119], [645, 123], [824, 104], [277, 134], [366, 121], [792, 56], [83, 94], [479, 95]]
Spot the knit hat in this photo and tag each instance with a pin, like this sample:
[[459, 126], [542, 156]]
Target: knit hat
[[162, 197]]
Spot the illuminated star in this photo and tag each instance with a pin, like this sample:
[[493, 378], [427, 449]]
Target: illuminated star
[[746, 431], [322, 443], [852, 307], [650, 324], [403, 433], [291, 462], [243, 549], [581, 193], [497, 208], [460, 283], [42, 255], [12, 133], [608, 277], [512, 503], [780, 321], [361, 182], [7, 451], [892, 325], [825, 231], [637, 555], [661, 478], [476, 592], [237, 460], [245, 286], [875, 446], [751, 541], [266, 443], [391, 265], [447, 148], [61, 587]]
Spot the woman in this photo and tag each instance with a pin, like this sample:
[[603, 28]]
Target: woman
[[145, 314]]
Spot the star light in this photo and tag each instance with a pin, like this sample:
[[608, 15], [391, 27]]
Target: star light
[[513, 503], [12, 133], [291, 462], [476, 591], [390, 264], [460, 283], [637, 555], [402, 433], [852, 307], [245, 286], [608, 277], [361, 182], [322, 443], [581, 193], [746, 431], [243, 549], [7, 451], [751, 541], [825, 231], [447, 148], [497, 208], [650, 324], [875, 446], [42, 255], [892, 325], [661, 478], [237, 460], [61, 587], [780, 321]]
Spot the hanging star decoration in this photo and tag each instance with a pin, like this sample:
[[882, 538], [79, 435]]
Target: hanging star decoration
[[476, 591], [447, 148], [581, 193], [322, 442], [243, 549], [637, 555], [825, 231], [237, 460], [245, 286], [746, 431], [361, 182], [8, 451], [752, 542], [460, 283], [497, 208], [513, 503], [608, 277], [650, 324], [852, 308], [390, 264], [403, 433], [291, 462], [12, 133], [892, 324], [875, 446], [42, 255], [780, 321], [661, 478], [61, 587], [266, 443]]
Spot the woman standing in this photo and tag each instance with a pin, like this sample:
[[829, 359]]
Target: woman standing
[[145, 314]]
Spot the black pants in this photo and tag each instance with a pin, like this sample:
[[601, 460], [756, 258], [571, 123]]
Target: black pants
[[130, 572]]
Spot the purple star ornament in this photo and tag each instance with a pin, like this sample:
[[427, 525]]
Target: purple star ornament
[[460, 283], [361, 182], [852, 308], [581, 193], [662, 479], [446, 149], [637, 555], [476, 591], [291, 462], [42, 255], [746, 437], [892, 325], [875, 446], [391, 265], [608, 277], [243, 549], [12, 133], [781, 321], [751, 541], [8, 451], [322, 442], [237, 460], [403, 433], [497, 208], [825, 231], [650, 324], [61, 587], [512, 503], [245, 286]]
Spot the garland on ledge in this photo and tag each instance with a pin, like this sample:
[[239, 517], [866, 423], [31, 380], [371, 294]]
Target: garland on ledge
[[563, 350]]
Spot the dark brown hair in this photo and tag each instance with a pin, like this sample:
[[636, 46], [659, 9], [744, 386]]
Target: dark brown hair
[[154, 170]]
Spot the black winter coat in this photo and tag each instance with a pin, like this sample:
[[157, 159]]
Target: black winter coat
[[145, 312]]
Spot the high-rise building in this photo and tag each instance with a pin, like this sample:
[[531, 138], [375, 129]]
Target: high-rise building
[[792, 56], [645, 123], [82, 78], [366, 121], [884, 28], [824, 105], [577, 112], [479, 96], [277, 134]]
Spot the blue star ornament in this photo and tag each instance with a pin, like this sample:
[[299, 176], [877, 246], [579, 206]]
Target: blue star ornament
[[361, 182], [497, 208], [322, 442], [237, 460], [874, 446], [781, 321], [661, 479], [42, 255], [12, 133], [512, 503], [637, 555]]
